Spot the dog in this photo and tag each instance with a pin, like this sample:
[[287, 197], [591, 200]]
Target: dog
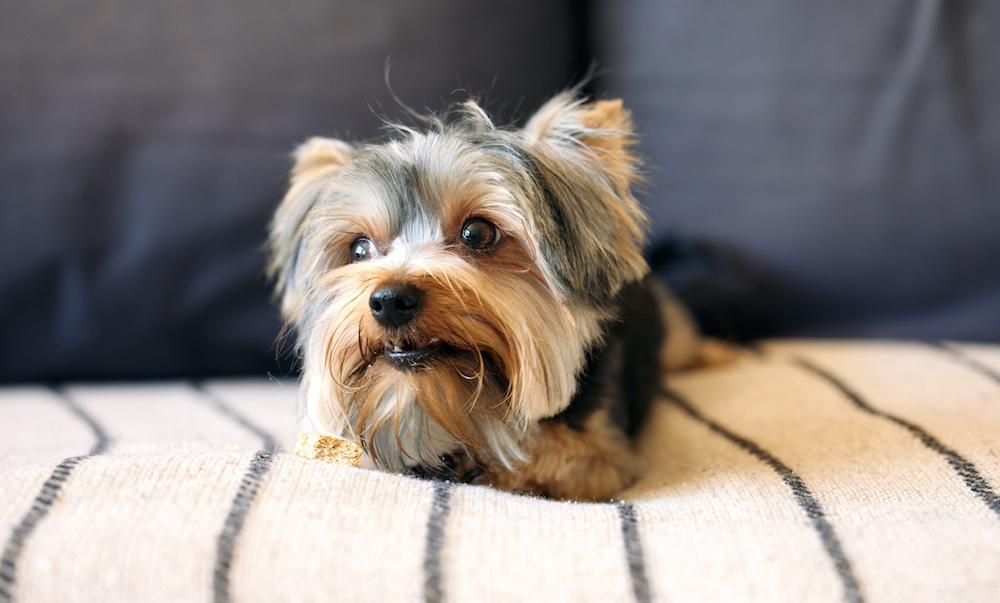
[[471, 302]]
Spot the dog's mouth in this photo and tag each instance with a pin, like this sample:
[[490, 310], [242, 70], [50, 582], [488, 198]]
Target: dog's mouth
[[413, 355]]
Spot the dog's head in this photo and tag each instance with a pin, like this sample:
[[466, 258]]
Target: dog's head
[[446, 285]]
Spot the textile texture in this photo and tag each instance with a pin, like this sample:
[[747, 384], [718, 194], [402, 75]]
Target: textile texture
[[804, 471]]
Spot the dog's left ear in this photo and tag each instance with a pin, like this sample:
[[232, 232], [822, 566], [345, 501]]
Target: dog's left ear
[[315, 161], [582, 152], [604, 126]]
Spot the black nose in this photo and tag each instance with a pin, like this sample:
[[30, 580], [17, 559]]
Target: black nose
[[395, 305]]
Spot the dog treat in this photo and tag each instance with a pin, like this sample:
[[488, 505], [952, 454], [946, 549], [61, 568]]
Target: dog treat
[[327, 448]]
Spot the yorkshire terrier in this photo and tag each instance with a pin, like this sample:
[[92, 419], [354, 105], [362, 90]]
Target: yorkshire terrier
[[472, 303]]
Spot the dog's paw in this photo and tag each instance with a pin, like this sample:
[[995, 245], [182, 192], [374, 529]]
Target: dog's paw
[[458, 466], [715, 352]]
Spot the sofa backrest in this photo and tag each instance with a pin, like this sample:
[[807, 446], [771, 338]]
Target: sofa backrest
[[813, 169], [839, 161], [144, 146]]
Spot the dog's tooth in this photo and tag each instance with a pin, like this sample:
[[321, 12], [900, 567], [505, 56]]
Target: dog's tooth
[[435, 340], [396, 348]]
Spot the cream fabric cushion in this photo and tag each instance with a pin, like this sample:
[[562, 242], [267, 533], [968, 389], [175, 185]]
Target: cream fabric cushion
[[805, 471]]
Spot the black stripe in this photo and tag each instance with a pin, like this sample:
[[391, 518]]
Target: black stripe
[[40, 507], [225, 545], [44, 500], [962, 358], [962, 466], [803, 496], [268, 441], [101, 439], [633, 551], [253, 478], [440, 506]]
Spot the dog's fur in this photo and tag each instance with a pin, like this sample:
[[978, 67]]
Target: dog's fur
[[556, 338]]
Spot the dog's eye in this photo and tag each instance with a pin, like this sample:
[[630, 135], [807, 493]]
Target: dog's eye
[[479, 234], [362, 249]]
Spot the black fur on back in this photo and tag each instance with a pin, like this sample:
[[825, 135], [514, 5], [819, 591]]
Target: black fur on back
[[623, 375]]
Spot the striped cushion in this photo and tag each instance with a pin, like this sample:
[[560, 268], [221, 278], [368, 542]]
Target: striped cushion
[[810, 471]]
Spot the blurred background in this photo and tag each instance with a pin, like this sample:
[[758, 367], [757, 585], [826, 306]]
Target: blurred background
[[820, 169]]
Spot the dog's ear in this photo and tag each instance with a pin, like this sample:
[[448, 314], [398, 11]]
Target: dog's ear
[[604, 127], [315, 161], [583, 154]]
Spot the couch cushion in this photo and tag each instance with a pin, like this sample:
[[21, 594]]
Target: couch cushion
[[143, 150], [846, 152], [810, 471]]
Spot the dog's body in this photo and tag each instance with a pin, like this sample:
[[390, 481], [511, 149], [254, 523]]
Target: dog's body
[[472, 302]]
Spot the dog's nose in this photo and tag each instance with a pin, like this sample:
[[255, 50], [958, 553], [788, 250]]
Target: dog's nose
[[395, 304]]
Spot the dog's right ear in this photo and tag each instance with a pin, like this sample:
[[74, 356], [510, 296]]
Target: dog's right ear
[[315, 161]]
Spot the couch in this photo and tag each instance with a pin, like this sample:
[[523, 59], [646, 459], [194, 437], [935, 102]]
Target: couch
[[821, 181], [804, 471]]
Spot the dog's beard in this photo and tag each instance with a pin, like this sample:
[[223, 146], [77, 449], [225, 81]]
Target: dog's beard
[[494, 354], [413, 417]]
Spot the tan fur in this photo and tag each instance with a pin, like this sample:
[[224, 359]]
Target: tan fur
[[714, 353], [317, 153], [614, 144], [592, 464], [522, 315], [565, 141], [316, 161], [507, 316]]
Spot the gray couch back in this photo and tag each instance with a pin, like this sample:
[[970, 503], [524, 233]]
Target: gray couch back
[[144, 146], [823, 170], [846, 155]]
